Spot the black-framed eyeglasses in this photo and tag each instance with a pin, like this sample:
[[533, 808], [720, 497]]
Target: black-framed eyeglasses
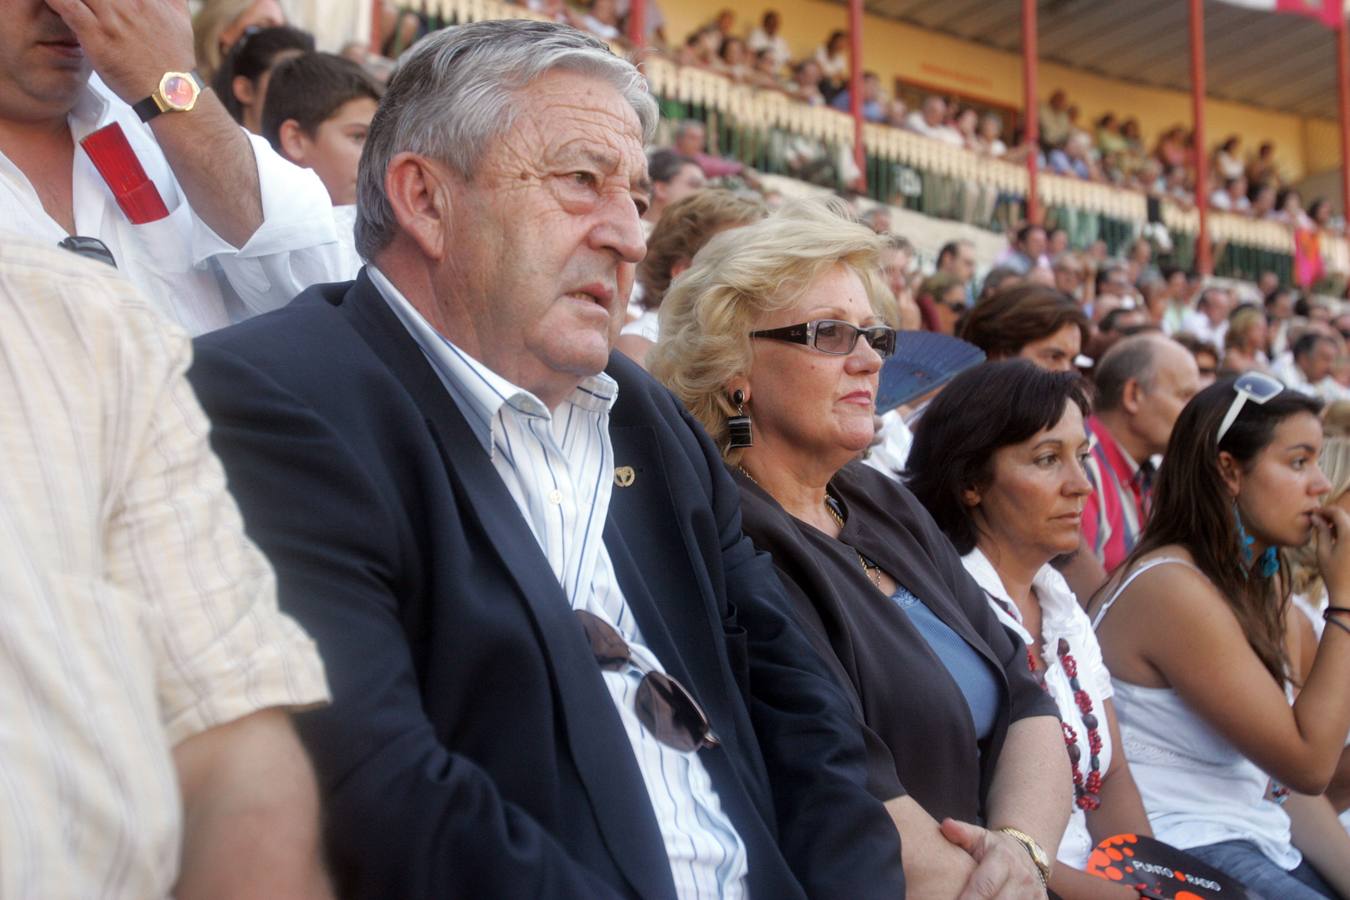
[[833, 336], [663, 705], [89, 247]]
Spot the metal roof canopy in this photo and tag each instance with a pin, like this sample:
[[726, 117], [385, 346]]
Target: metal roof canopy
[[1285, 63]]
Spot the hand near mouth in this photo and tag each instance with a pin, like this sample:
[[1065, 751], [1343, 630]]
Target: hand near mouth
[[131, 43]]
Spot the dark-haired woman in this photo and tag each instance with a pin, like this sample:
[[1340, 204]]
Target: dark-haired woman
[[998, 461], [1193, 628], [1031, 321], [241, 81]]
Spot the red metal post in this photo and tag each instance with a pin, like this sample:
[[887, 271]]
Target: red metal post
[[855, 99], [376, 25], [637, 24], [1343, 92], [1203, 263], [1031, 131]]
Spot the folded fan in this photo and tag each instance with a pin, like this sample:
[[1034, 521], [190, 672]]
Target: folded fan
[[923, 361], [1160, 871]]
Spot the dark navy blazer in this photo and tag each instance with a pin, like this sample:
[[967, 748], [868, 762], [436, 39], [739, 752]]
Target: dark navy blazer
[[472, 749]]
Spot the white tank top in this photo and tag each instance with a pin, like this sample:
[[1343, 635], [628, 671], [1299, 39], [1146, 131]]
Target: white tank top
[[1196, 786]]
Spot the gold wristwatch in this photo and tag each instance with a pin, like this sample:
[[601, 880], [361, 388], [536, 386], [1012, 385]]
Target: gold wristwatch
[[1038, 856], [177, 92]]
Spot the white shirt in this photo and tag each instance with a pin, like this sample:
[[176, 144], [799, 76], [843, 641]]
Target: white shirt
[[174, 261], [916, 123], [137, 614], [646, 325], [1061, 618], [1328, 390], [761, 40], [559, 468], [1198, 324], [889, 455]]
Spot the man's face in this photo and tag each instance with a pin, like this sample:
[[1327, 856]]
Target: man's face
[[961, 264], [539, 256], [334, 150], [933, 110], [1176, 381], [895, 268], [1317, 363], [42, 66], [1217, 305], [871, 88], [689, 180], [691, 141], [1117, 284], [1035, 243], [1069, 279]]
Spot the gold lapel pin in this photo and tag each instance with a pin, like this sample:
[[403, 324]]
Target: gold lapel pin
[[624, 476]]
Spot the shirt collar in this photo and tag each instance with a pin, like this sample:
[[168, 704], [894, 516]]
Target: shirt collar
[[478, 391], [92, 110], [1125, 466], [1052, 591]]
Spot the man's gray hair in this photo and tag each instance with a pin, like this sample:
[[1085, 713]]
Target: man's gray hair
[[1133, 358], [453, 93]]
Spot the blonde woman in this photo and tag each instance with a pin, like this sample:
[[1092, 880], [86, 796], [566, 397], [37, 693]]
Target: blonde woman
[[1244, 343], [773, 339]]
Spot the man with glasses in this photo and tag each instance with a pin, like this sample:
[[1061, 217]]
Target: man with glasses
[[227, 204], [559, 669]]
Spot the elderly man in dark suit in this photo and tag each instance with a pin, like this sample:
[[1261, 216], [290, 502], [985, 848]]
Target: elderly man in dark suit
[[559, 669]]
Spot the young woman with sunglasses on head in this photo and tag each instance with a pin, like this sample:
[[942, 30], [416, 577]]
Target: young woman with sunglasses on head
[[773, 341], [1194, 628]]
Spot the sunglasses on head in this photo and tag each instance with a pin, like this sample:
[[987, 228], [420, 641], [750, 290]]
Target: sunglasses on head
[[663, 705], [1257, 387], [833, 336]]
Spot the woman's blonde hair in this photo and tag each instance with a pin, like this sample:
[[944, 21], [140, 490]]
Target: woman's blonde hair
[[1240, 325], [737, 278], [1305, 576], [211, 20]]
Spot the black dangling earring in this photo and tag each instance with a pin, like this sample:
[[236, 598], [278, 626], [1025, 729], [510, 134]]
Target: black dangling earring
[[738, 426]]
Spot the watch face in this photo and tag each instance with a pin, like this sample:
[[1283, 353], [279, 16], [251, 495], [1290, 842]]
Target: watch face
[[179, 91]]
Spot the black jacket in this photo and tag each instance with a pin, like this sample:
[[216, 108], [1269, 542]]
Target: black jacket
[[921, 740], [472, 749]]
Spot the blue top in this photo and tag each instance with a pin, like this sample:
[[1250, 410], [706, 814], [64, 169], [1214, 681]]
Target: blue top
[[967, 668]]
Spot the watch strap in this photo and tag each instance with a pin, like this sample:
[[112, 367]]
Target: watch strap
[[151, 106], [147, 109]]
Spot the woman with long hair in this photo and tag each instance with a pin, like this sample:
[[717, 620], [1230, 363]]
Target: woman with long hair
[[1193, 630]]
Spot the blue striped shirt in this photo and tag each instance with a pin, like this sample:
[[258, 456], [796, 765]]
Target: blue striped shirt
[[559, 467]]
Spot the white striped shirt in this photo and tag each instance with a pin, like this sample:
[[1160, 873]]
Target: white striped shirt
[[559, 468], [134, 613]]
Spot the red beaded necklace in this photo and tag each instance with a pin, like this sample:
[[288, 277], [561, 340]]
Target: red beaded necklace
[[1086, 791]]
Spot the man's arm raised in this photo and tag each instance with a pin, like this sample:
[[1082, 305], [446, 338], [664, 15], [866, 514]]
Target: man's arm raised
[[131, 44]]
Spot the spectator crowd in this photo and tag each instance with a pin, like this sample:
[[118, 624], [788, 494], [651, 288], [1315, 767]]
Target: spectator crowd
[[424, 483]]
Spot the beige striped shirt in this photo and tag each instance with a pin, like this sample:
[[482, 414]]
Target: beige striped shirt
[[134, 613]]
